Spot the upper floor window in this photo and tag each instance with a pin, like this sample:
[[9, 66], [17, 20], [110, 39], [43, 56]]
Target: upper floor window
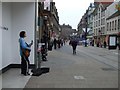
[[96, 23], [115, 24], [99, 9], [107, 26], [103, 21], [110, 26], [118, 24], [99, 22]]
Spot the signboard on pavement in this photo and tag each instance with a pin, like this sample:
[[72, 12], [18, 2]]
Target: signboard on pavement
[[112, 44]]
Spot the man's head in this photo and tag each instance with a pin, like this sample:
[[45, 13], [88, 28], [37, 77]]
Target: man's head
[[22, 34]]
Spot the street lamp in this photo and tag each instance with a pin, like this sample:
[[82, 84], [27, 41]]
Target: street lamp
[[86, 28], [86, 23]]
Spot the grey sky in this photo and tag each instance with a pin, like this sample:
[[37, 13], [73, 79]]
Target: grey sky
[[71, 11]]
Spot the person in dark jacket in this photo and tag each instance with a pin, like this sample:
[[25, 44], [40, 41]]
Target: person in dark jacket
[[59, 43], [55, 43], [105, 44], [74, 45]]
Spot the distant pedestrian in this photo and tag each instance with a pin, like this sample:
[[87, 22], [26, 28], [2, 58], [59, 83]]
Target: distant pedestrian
[[93, 42], [73, 43], [59, 43], [105, 44], [24, 53], [64, 41], [55, 43]]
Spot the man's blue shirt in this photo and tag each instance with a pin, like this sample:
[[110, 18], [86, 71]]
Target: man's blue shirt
[[23, 45]]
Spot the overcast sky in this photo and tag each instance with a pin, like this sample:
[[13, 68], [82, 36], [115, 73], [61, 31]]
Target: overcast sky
[[71, 11]]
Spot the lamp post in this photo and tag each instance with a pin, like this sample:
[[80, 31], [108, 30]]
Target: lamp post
[[86, 22]]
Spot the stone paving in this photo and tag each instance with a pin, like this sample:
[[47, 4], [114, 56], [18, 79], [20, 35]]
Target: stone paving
[[75, 71]]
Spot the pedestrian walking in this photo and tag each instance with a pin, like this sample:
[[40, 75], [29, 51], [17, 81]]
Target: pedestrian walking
[[73, 43], [55, 43], [59, 43], [105, 44], [25, 50], [93, 42]]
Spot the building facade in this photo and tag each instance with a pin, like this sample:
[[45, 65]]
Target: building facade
[[86, 23], [55, 19], [66, 31], [99, 23], [90, 10], [113, 19]]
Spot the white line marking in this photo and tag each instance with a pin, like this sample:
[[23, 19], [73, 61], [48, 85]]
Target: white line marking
[[78, 77]]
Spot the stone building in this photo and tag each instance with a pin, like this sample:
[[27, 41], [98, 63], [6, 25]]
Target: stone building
[[113, 20], [86, 22], [99, 22], [66, 31]]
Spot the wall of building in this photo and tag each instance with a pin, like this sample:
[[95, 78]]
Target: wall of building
[[66, 31], [0, 36], [109, 12], [16, 17], [6, 34], [23, 18], [113, 30]]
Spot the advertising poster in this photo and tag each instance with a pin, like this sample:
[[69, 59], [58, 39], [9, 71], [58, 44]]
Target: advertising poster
[[112, 41]]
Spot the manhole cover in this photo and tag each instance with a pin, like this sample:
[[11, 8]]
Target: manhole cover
[[78, 77], [108, 69]]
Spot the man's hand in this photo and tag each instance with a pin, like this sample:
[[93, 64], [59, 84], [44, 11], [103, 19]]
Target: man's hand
[[31, 42]]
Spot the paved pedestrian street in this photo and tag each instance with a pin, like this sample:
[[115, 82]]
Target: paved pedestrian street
[[91, 67]]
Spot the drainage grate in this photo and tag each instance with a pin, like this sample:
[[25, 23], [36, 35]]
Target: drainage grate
[[108, 69]]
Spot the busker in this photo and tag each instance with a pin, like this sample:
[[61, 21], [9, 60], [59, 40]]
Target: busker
[[25, 50]]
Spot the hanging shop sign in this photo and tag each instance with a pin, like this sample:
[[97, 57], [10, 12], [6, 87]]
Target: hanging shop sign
[[117, 6]]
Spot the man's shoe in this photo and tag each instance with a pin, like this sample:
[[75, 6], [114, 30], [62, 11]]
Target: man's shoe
[[28, 73]]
